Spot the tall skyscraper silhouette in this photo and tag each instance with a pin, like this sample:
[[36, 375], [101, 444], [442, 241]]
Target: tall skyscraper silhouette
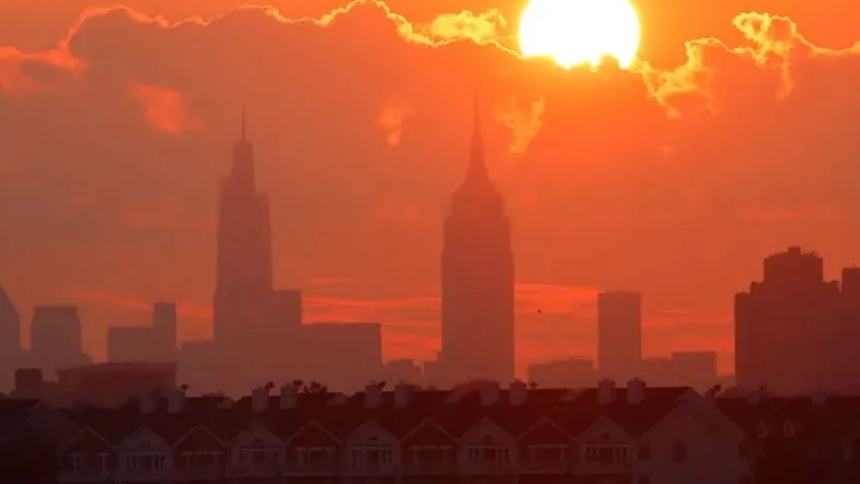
[[10, 340], [477, 278], [243, 288]]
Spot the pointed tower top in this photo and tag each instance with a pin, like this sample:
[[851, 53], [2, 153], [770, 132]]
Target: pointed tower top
[[477, 165], [243, 123]]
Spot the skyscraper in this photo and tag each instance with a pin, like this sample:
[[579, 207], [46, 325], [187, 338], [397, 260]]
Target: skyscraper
[[10, 340], [55, 338], [794, 331], [477, 278], [243, 288], [619, 334]]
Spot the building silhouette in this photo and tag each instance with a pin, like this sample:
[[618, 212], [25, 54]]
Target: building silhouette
[[155, 342], [10, 340], [796, 332], [55, 340], [471, 434], [477, 278], [570, 372], [619, 334], [243, 285]]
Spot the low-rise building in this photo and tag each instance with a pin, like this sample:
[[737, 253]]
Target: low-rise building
[[475, 432]]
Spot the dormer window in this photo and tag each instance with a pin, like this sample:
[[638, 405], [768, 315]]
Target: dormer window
[[788, 429], [76, 461], [371, 455], [489, 452], [761, 430]]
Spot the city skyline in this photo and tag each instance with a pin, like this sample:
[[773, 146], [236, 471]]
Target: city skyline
[[614, 190]]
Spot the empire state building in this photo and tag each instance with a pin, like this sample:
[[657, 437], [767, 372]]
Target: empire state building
[[477, 279]]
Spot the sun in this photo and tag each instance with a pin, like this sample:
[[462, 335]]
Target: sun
[[578, 32]]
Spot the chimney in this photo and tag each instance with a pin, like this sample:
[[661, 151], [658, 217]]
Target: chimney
[[489, 393], [289, 397], [176, 400], [372, 395], [260, 399], [402, 393], [517, 393], [754, 398], [147, 403], [605, 391], [635, 391]]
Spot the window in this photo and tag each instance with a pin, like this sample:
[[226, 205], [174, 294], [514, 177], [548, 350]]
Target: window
[[761, 430], [606, 454], [489, 452], [76, 461], [788, 429], [312, 456], [644, 453], [259, 456], [679, 452], [643, 479], [372, 456], [200, 459], [103, 462], [430, 455]]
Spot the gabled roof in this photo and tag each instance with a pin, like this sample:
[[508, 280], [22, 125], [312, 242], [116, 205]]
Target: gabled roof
[[825, 422], [87, 440], [746, 414], [13, 412], [572, 414]]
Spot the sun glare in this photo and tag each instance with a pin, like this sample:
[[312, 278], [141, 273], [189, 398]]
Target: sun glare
[[578, 32]]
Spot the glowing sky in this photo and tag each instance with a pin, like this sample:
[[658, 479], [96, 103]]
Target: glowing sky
[[735, 140]]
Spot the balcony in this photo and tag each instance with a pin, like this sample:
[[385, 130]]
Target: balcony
[[371, 460], [604, 458], [487, 459]]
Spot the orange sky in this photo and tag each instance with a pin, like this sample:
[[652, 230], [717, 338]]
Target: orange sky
[[676, 181]]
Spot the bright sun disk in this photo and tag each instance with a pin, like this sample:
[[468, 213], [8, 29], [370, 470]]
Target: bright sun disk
[[577, 32]]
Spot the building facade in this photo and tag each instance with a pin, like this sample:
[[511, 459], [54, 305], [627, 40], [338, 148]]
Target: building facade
[[477, 279], [478, 434], [796, 332], [619, 334]]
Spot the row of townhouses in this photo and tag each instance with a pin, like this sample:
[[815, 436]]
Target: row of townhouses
[[476, 433]]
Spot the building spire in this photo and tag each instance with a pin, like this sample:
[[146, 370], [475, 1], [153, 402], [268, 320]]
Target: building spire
[[243, 123], [477, 165]]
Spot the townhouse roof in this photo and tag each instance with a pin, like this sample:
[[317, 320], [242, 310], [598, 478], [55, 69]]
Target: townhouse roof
[[454, 411]]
